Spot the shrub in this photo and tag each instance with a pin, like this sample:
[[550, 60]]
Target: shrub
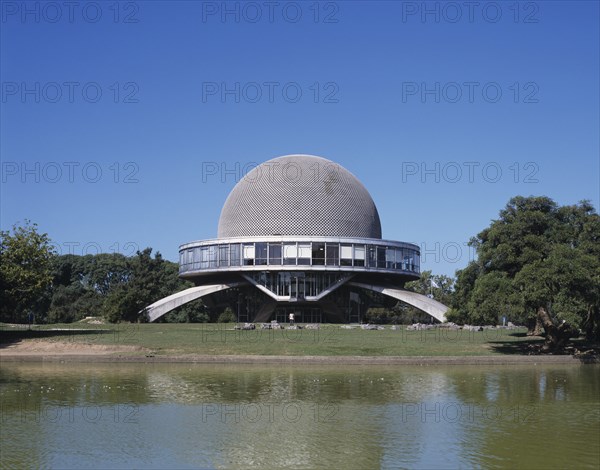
[[227, 316]]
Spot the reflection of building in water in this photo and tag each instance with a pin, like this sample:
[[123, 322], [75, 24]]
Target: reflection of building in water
[[199, 416], [298, 234], [273, 417]]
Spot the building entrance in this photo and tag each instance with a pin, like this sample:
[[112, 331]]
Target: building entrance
[[302, 314]]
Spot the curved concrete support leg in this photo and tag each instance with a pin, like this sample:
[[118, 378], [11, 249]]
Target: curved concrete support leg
[[430, 306], [165, 305]]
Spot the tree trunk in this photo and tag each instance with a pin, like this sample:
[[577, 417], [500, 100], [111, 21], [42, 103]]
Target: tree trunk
[[592, 324], [556, 336], [534, 326]]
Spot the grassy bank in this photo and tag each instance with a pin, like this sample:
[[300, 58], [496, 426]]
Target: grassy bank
[[220, 339]]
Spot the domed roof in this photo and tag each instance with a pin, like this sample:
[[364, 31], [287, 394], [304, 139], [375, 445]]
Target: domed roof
[[299, 195]]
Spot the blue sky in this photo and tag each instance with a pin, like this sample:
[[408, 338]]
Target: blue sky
[[112, 113]]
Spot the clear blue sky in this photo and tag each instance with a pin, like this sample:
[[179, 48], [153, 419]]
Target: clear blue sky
[[167, 64]]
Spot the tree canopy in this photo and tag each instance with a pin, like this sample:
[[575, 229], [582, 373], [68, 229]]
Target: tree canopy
[[537, 261], [68, 288], [25, 270]]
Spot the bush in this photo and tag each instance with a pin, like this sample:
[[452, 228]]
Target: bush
[[227, 316], [456, 316], [379, 315]]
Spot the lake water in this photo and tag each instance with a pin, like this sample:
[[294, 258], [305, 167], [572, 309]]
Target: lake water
[[345, 417]]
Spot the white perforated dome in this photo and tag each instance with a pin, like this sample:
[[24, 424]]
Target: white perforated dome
[[299, 195]]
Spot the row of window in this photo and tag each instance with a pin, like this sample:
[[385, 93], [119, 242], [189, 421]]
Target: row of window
[[299, 254], [297, 284]]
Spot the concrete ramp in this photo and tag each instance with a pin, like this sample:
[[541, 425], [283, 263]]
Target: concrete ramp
[[165, 305], [430, 306]]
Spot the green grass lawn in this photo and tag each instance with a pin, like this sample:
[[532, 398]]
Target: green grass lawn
[[330, 340]]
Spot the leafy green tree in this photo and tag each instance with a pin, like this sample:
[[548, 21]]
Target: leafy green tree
[[81, 283], [563, 290], [540, 262], [73, 303], [116, 287], [227, 316], [379, 315], [25, 270], [105, 271], [141, 281], [439, 286], [490, 298], [465, 282], [148, 280], [68, 288]]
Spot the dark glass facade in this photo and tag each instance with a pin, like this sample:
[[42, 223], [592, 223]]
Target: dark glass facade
[[297, 284]]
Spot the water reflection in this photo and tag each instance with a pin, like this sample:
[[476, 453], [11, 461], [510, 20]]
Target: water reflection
[[242, 416]]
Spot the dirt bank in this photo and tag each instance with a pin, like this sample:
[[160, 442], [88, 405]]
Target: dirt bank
[[76, 352], [62, 348]]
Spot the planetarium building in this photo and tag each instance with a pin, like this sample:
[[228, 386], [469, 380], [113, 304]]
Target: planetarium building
[[298, 234]]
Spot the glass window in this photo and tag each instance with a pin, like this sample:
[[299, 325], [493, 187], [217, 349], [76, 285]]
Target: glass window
[[346, 251], [249, 251], [381, 256], [333, 254], [398, 264], [372, 256], [212, 256], [274, 253], [195, 252], [390, 258], [359, 255], [204, 257], [283, 284], [318, 254], [304, 251], [249, 254], [411, 261], [289, 253], [346, 255], [261, 253], [234, 254], [224, 255]]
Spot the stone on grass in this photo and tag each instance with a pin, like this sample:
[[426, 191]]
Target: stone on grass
[[420, 326]]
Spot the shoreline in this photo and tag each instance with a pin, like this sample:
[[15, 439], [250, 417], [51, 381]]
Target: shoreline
[[321, 360]]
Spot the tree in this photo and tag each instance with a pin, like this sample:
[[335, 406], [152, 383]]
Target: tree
[[227, 316], [439, 286], [67, 288], [490, 298], [539, 262], [563, 290], [465, 282], [25, 270], [146, 280], [81, 283]]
